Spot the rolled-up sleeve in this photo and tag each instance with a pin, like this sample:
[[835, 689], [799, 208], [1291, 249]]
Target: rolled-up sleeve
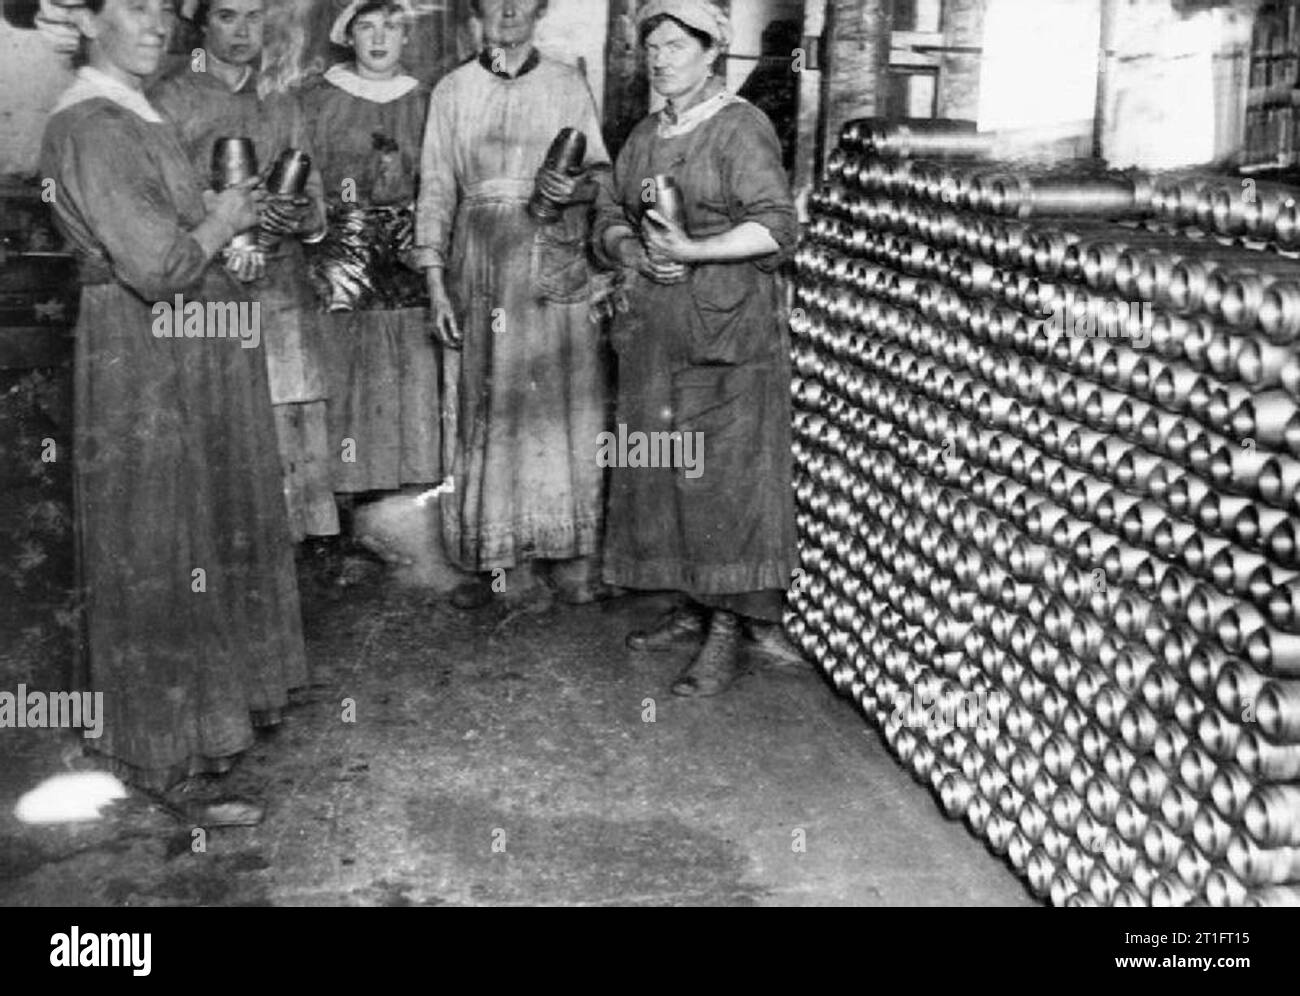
[[436, 206], [757, 184], [129, 211]]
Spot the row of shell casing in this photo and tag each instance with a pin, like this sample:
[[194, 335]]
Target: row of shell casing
[[1253, 306], [923, 138], [1263, 213], [1189, 368], [1197, 597], [1144, 624], [1206, 527], [1016, 393], [1167, 804], [1229, 206], [1245, 289], [1252, 864], [1101, 381], [1174, 803], [991, 189], [1038, 402], [1150, 673], [1237, 433]]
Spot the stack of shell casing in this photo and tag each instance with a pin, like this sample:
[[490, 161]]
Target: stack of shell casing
[[1047, 447]]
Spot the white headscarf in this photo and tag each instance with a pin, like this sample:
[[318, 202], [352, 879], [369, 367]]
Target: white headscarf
[[699, 14], [339, 30]]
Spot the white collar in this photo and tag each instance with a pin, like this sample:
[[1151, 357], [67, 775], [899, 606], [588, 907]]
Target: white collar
[[693, 117], [90, 83], [244, 77], [344, 76]]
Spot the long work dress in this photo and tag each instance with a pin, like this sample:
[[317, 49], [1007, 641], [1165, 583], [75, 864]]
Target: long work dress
[[381, 365], [709, 356], [190, 604], [203, 109], [532, 385]]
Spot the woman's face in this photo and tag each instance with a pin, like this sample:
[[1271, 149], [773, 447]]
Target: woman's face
[[378, 38], [127, 37], [508, 23], [234, 31], [678, 62]]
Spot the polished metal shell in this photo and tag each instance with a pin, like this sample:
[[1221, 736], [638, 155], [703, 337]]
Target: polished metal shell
[[1047, 479]]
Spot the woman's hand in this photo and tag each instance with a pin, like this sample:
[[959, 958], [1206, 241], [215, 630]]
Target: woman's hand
[[246, 264], [236, 207], [564, 189], [284, 214], [666, 239], [633, 255], [445, 327]]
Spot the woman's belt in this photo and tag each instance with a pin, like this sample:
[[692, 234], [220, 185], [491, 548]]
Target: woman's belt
[[503, 190]]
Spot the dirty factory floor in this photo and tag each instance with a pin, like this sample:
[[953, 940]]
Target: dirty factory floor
[[494, 759], [507, 760]]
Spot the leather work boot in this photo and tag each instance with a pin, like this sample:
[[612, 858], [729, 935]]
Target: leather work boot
[[770, 644], [680, 627], [717, 664]]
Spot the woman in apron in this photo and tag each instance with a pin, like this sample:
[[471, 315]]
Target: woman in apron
[[190, 608], [509, 300], [366, 121], [703, 354]]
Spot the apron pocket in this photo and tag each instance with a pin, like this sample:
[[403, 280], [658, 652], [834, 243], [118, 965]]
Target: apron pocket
[[722, 294], [559, 259]]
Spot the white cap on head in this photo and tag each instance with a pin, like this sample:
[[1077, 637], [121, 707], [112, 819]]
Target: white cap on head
[[339, 30], [698, 14]]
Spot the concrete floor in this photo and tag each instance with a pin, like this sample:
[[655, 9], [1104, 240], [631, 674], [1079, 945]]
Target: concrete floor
[[526, 733]]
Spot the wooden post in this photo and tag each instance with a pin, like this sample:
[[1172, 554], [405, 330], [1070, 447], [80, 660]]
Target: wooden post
[[627, 86], [857, 63]]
